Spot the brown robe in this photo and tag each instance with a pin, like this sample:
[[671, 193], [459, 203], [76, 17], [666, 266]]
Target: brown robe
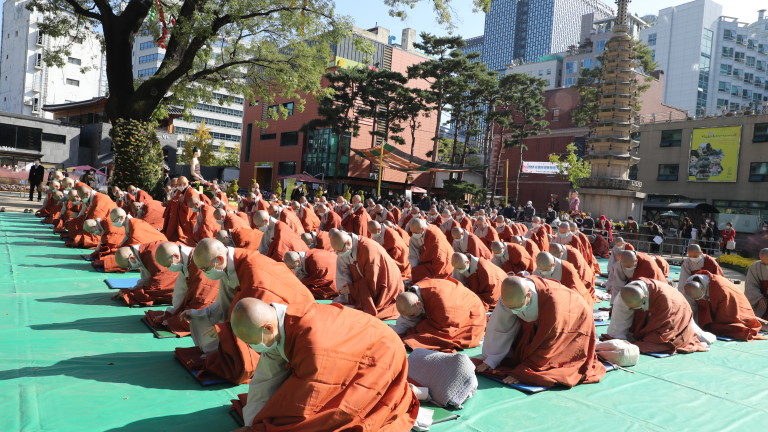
[[376, 280], [519, 260], [434, 256], [285, 240], [159, 288], [486, 283], [397, 249], [320, 266], [725, 311]]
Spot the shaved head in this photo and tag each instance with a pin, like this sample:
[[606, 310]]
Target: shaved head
[[69, 182], [417, 226], [123, 258], [219, 215], [292, 259], [224, 238], [498, 247], [83, 191], [573, 226], [307, 239], [167, 253], [254, 322], [210, 252], [408, 304], [632, 295], [518, 240], [556, 250], [340, 240], [182, 182], [545, 261], [619, 242], [460, 261], [457, 233], [116, 213], [356, 199], [628, 259], [514, 292], [193, 202], [694, 251], [260, 218], [374, 227], [91, 226], [695, 290], [563, 228]]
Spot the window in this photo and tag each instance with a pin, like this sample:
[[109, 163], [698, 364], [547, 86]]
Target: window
[[248, 137], [77, 40], [751, 61], [587, 64], [671, 138], [738, 56], [146, 72], [723, 86], [600, 47], [288, 107], [549, 71], [758, 171], [735, 90], [722, 103], [570, 67], [72, 82], [60, 139], [729, 34], [556, 114], [289, 139], [74, 61], [749, 77], [219, 110], [151, 58], [147, 45], [727, 52], [652, 39], [668, 172], [726, 69], [286, 168], [761, 132], [570, 82]]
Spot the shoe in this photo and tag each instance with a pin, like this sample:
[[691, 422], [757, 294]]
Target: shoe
[[30, 199]]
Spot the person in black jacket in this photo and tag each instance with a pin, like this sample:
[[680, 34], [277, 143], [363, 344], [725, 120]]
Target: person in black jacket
[[36, 174]]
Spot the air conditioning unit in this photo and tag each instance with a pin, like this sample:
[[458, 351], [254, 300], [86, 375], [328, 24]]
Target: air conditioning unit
[[28, 101]]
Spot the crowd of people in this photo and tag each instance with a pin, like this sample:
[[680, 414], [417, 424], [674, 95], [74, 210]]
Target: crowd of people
[[243, 278]]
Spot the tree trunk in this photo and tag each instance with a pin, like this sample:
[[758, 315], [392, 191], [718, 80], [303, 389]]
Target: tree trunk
[[138, 156], [519, 171], [436, 139], [487, 148]]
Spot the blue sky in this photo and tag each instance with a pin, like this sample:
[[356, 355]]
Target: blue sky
[[367, 13]]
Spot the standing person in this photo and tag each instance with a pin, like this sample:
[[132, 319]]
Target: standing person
[[686, 233], [605, 228], [529, 212], [554, 202], [194, 166], [728, 239], [574, 201], [36, 173], [89, 178], [588, 224], [632, 227], [705, 234]]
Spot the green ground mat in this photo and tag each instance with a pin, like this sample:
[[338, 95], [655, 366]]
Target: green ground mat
[[75, 360]]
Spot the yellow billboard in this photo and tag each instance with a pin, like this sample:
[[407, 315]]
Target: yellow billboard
[[714, 154]]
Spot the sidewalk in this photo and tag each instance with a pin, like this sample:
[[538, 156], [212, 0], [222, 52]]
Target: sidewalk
[[14, 202]]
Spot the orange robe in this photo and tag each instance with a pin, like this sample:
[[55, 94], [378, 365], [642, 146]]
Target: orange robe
[[434, 256], [559, 347], [405, 236], [376, 280], [446, 228], [139, 232], [309, 220], [583, 269], [588, 255], [320, 266], [153, 213], [519, 260], [246, 237], [290, 219], [662, 264], [47, 209], [178, 218], [601, 248], [541, 239], [110, 242], [201, 292], [466, 223], [357, 222], [532, 248], [159, 288], [506, 234], [570, 279], [476, 247], [332, 220], [333, 344], [490, 236], [322, 241], [647, 268], [285, 240], [725, 311], [454, 317], [397, 249], [486, 282], [233, 220], [666, 326], [205, 225]]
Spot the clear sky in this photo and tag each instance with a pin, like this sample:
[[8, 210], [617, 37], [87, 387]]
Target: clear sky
[[367, 13]]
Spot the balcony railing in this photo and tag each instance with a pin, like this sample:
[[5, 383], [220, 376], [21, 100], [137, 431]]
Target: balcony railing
[[611, 183]]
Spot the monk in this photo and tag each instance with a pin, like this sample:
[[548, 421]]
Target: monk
[[512, 258], [657, 318], [530, 247], [137, 193], [205, 223], [286, 215], [192, 289], [503, 230], [619, 246], [429, 252], [549, 267], [278, 237], [572, 256], [366, 277], [241, 274], [403, 233], [464, 221], [355, 220], [600, 246], [178, 218], [229, 220], [756, 285], [565, 237], [542, 334], [485, 232], [538, 234], [721, 308], [328, 219], [155, 286], [448, 224], [316, 269], [97, 206], [374, 395], [136, 230], [381, 214], [405, 220], [481, 276], [632, 266], [441, 315], [307, 217], [395, 246], [47, 207], [317, 240], [150, 211], [695, 261], [589, 256], [467, 242]]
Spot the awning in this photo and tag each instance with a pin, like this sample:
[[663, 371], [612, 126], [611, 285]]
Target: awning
[[417, 189], [398, 160], [702, 207], [304, 178]]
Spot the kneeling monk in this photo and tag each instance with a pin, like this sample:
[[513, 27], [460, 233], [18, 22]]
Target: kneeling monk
[[722, 309], [347, 371], [156, 283], [441, 315], [542, 334], [316, 269]]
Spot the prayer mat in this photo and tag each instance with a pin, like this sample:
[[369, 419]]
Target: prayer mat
[[658, 355], [190, 359], [127, 283], [88, 258], [159, 333]]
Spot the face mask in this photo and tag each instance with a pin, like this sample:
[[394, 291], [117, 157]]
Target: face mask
[[214, 274], [134, 264], [629, 271], [176, 267], [546, 273], [417, 236], [465, 270], [264, 228], [118, 224], [482, 227], [535, 225], [519, 310], [500, 254], [564, 236], [261, 348], [344, 254], [195, 209], [697, 260], [220, 222]]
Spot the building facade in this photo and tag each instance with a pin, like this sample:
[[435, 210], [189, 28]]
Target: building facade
[[27, 83], [525, 30], [223, 116], [282, 148], [26, 138], [549, 69], [670, 163]]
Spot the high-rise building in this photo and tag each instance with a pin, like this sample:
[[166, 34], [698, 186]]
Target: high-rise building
[[525, 30], [225, 120], [27, 83]]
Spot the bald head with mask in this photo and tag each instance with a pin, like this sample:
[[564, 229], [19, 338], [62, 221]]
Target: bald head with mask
[[634, 295], [409, 305], [224, 237], [341, 242], [516, 293], [261, 220], [168, 255], [255, 323], [118, 217], [210, 257], [92, 226], [126, 259]]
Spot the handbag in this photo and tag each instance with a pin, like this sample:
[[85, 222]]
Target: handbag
[[731, 244]]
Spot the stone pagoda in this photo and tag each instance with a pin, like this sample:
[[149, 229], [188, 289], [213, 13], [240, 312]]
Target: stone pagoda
[[609, 190]]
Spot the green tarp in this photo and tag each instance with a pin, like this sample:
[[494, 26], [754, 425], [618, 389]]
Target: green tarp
[[72, 359]]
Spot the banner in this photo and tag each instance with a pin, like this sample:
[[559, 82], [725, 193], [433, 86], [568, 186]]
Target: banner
[[540, 168], [714, 154]]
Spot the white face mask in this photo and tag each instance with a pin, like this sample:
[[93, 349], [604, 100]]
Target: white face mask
[[345, 253], [261, 348], [697, 260], [500, 254], [118, 224], [535, 225], [176, 267], [264, 228], [134, 264], [417, 236], [464, 271], [564, 236], [629, 271], [214, 274], [546, 273]]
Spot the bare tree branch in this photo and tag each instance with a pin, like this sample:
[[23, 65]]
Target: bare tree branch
[[80, 10]]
